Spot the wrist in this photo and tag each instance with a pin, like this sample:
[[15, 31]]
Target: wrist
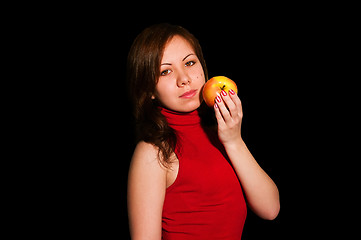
[[234, 145]]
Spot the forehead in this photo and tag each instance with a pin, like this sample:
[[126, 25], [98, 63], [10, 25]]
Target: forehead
[[176, 48]]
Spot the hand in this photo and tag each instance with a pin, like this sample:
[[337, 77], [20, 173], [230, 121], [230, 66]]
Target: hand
[[228, 109]]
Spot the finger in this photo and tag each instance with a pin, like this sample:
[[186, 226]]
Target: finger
[[232, 108], [223, 109], [237, 102], [219, 117]]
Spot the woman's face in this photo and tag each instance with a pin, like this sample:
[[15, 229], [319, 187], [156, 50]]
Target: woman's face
[[181, 77]]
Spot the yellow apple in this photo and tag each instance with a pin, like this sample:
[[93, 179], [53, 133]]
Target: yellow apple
[[214, 86]]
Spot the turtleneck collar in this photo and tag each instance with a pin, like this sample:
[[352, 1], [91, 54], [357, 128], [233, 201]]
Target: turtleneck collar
[[179, 119]]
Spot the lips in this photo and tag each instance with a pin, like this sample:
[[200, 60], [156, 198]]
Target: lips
[[189, 94]]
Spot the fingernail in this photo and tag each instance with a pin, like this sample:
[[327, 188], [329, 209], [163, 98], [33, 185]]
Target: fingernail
[[224, 93], [216, 105], [231, 91], [218, 99]]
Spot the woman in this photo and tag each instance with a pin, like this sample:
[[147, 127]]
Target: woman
[[186, 180]]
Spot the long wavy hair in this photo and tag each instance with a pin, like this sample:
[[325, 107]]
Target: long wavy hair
[[143, 72]]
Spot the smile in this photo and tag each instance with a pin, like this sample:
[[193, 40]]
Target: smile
[[189, 94]]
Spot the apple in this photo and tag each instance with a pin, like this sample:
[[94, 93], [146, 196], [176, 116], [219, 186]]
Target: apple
[[214, 86]]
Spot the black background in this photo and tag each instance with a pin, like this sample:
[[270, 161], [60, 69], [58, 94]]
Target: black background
[[88, 131], [256, 56]]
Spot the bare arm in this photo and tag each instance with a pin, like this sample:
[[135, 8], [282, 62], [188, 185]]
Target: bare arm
[[261, 192], [146, 191]]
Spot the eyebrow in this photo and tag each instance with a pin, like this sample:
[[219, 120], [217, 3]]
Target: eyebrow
[[187, 56], [182, 60]]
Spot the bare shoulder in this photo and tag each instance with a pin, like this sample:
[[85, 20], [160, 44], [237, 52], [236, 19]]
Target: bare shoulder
[[145, 153], [145, 171], [146, 147], [146, 192], [145, 159]]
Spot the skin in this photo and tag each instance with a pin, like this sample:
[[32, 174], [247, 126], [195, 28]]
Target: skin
[[181, 72], [148, 180]]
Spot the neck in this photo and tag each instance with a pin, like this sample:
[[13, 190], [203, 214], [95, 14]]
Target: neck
[[180, 119]]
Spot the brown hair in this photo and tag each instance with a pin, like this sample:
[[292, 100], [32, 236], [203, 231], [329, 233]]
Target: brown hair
[[143, 71]]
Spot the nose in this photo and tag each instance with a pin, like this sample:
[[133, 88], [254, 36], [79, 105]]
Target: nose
[[183, 79]]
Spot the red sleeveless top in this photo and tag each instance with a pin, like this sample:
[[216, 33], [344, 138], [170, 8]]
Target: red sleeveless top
[[206, 199]]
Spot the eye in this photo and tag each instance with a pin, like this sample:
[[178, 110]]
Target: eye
[[165, 72], [189, 63]]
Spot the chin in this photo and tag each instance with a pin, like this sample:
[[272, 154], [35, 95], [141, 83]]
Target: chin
[[186, 107], [190, 108]]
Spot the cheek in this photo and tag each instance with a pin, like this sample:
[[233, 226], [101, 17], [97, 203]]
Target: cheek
[[163, 90], [198, 73]]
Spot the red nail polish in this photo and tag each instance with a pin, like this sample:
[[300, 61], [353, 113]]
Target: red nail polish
[[231, 91], [224, 93], [218, 99]]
